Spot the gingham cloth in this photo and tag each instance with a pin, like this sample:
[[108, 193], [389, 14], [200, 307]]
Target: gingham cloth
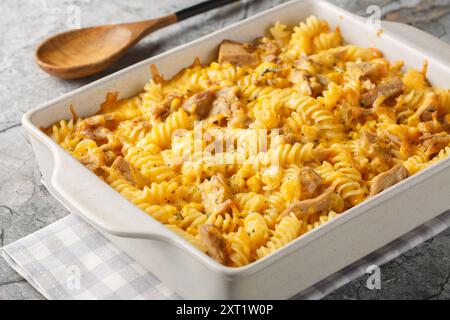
[[70, 260]]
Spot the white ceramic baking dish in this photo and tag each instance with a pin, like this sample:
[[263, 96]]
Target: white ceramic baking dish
[[301, 263]]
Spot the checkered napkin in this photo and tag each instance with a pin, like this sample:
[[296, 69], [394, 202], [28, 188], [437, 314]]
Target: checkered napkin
[[70, 260]]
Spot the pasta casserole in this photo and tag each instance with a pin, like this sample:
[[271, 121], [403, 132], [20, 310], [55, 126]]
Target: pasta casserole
[[275, 138]]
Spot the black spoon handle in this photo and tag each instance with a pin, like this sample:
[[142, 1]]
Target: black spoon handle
[[200, 8]]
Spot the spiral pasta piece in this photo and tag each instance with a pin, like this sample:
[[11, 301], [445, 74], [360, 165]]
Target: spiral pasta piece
[[287, 230], [291, 185], [161, 134], [251, 201], [321, 220], [240, 246], [256, 227]]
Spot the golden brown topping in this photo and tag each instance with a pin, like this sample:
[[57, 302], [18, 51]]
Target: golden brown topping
[[387, 179], [94, 121], [74, 113], [200, 103], [236, 53], [156, 76], [110, 102], [306, 207], [391, 88], [214, 242]]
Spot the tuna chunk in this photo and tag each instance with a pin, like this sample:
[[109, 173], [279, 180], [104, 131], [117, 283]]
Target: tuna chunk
[[200, 103], [391, 88], [306, 207], [271, 49], [366, 68], [429, 106], [435, 142], [214, 242], [322, 154], [368, 138], [370, 68], [162, 110], [388, 179], [216, 195], [236, 53], [226, 103], [111, 151], [432, 126], [329, 57], [310, 180], [98, 134], [93, 159], [124, 168], [96, 127], [351, 114]]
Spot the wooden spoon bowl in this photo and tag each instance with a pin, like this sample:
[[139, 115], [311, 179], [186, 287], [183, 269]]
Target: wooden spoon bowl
[[83, 52]]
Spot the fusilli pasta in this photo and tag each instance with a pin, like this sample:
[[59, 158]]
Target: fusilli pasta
[[277, 137]]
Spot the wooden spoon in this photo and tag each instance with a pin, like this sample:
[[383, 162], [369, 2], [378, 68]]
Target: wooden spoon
[[83, 52]]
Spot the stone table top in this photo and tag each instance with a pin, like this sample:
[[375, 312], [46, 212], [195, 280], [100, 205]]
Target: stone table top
[[25, 204]]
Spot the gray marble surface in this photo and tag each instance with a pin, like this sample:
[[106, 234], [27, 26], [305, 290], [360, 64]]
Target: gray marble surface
[[25, 204]]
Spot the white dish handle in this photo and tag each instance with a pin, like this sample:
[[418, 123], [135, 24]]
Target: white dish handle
[[419, 38], [81, 195]]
